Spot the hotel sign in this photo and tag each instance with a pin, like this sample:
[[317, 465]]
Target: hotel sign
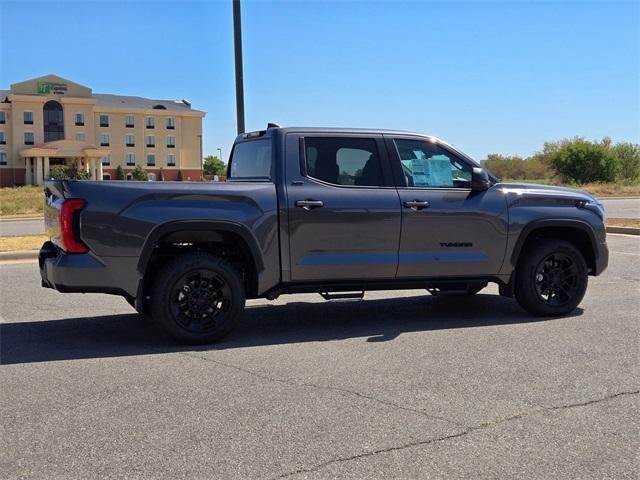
[[46, 88]]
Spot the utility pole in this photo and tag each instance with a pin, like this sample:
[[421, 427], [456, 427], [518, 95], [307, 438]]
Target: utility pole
[[237, 44]]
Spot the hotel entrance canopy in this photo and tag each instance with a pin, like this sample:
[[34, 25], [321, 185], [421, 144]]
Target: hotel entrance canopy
[[85, 155]]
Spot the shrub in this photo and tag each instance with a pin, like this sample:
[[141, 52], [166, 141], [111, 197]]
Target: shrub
[[583, 162], [58, 172], [628, 156], [61, 172], [139, 174], [180, 176], [120, 173], [517, 168], [161, 175]]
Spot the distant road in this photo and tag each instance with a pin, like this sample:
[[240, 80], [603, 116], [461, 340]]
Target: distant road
[[11, 228], [615, 207], [622, 207]]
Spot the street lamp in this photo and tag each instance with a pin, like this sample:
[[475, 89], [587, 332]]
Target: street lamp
[[237, 44]]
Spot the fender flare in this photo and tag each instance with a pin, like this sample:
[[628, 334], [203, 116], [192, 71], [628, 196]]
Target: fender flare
[[199, 225], [558, 222]]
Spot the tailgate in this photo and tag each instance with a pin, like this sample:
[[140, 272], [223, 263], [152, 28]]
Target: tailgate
[[53, 198]]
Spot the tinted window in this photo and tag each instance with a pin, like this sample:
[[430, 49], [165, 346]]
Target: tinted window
[[426, 164], [251, 160], [343, 161]]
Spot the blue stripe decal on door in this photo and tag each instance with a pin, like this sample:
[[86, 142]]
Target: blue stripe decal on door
[[433, 257], [348, 258]]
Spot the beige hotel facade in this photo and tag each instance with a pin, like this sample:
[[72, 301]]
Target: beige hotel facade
[[50, 121]]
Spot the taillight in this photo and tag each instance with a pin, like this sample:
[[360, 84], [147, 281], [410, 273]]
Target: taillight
[[70, 225]]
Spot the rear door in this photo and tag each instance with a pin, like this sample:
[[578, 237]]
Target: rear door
[[342, 206], [447, 229]]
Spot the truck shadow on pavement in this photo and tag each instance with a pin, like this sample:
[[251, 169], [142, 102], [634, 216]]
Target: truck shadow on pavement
[[262, 325]]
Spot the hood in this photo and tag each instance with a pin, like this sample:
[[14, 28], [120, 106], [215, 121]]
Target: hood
[[550, 191]]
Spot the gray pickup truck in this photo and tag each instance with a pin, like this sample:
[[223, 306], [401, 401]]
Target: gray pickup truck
[[332, 211]]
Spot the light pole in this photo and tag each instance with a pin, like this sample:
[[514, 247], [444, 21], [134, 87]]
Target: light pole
[[237, 44]]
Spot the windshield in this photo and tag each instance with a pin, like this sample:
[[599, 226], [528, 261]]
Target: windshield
[[251, 160]]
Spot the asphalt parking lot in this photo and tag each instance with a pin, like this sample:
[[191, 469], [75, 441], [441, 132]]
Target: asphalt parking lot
[[401, 385]]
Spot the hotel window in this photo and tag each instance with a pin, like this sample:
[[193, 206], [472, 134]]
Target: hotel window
[[171, 141], [104, 139], [151, 160], [3, 158], [130, 140], [151, 141], [171, 123], [131, 159], [3, 117], [28, 118], [3, 139], [28, 138], [129, 121], [80, 136], [106, 176], [104, 120], [106, 160], [151, 123], [79, 119], [152, 177], [171, 160]]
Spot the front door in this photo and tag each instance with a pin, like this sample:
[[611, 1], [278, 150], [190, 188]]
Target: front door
[[343, 210], [447, 229]]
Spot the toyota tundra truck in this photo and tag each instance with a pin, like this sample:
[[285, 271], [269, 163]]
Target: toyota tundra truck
[[332, 211]]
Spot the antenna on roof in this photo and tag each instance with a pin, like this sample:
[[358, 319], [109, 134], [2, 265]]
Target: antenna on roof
[[186, 102], [272, 125]]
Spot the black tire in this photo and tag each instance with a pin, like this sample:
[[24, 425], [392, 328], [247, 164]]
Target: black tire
[[197, 298], [551, 278]]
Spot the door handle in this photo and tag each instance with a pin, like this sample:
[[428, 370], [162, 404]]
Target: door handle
[[309, 204], [417, 204]]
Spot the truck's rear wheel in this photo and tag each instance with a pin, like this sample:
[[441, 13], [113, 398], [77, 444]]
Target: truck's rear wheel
[[197, 298], [551, 278]]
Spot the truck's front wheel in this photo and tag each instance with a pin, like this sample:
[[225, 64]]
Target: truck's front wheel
[[198, 298], [551, 278]]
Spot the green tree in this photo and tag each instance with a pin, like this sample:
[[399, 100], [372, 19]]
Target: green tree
[[120, 173], [161, 175], [214, 166], [628, 155], [583, 162], [180, 176], [139, 174]]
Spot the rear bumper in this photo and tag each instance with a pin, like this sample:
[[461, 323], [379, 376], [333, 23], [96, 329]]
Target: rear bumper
[[80, 272]]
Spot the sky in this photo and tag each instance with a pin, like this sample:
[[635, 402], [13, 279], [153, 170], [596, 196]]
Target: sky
[[488, 77]]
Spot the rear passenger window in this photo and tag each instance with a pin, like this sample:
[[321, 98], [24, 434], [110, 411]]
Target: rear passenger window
[[343, 161], [251, 160]]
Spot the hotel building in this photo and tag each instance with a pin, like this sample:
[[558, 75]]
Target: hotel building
[[50, 121]]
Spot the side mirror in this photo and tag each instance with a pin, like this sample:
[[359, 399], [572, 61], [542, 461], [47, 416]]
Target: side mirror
[[479, 179]]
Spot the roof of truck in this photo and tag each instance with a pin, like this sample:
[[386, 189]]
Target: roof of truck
[[364, 131]]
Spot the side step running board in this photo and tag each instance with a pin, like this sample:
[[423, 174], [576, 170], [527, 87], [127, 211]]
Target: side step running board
[[342, 295]]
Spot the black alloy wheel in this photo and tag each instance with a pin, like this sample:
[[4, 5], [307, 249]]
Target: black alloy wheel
[[551, 277], [198, 298], [557, 279]]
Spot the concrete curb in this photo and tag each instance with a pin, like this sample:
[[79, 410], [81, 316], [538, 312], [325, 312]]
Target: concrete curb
[[20, 219], [625, 230]]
